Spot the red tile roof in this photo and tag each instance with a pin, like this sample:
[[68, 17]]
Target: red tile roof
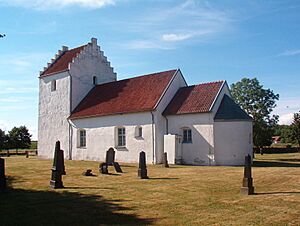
[[125, 96], [193, 99], [62, 63]]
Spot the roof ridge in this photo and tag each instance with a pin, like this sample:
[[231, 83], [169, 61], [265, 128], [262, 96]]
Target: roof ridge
[[139, 76], [208, 83]]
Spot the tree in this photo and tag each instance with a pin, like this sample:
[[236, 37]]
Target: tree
[[19, 137], [2, 139], [258, 103], [295, 128]]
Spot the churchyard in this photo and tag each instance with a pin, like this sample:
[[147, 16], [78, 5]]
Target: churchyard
[[178, 195]]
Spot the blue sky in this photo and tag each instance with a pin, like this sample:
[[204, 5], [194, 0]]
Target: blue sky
[[207, 40]]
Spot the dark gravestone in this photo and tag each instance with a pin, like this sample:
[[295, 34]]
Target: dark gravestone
[[247, 188], [7, 153], [110, 156], [27, 154], [142, 171], [58, 168], [165, 160], [2, 175], [117, 167], [103, 168], [88, 173]]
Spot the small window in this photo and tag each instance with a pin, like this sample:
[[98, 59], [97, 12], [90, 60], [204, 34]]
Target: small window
[[138, 132], [53, 85], [94, 80], [121, 137], [82, 138], [187, 136]]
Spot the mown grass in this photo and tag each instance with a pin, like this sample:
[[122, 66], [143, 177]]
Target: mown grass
[[179, 195]]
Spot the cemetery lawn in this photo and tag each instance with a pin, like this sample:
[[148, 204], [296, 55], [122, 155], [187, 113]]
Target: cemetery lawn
[[179, 195]]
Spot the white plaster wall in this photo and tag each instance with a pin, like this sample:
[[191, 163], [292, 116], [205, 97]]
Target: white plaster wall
[[170, 147], [89, 63], [201, 150], [160, 121], [233, 141], [101, 135], [54, 108]]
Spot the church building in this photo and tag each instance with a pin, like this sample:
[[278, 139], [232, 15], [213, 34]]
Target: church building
[[85, 106]]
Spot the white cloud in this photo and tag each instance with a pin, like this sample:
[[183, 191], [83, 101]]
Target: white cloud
[[293, 52], [168, 26], [286, 119], [175, 37], [57, 4]]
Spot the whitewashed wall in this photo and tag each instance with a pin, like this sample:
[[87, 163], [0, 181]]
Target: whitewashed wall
[[89, 63], [233, 141], [101, 135], [54, 108], [201, 150], [160, 121]]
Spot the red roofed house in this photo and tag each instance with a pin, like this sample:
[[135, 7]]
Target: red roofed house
[[82, 104]]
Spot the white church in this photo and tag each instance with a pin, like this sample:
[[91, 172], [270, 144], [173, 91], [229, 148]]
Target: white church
[[85, 106]]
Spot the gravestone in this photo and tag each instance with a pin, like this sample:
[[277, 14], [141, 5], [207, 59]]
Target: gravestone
[[103, 168], [142, 171], [165, 160], [117, 167], [27, 154], [110, 156], [88, 173], [247, 187], [2, 175], [58, 168], [7, 153]]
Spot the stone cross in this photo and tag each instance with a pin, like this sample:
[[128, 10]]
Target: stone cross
[[165, 160], [58, 168], [247, 187], [142, 171], [110, 156], [2, 175]]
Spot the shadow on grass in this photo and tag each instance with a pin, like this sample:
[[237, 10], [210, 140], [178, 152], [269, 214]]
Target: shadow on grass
[[274, 164], [31, 207], [163, 178], [279, 193]]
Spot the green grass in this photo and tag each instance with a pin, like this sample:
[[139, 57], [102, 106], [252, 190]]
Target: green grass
[[179, 195]]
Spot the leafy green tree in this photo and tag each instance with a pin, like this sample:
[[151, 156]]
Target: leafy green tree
[[2, 139], [19, 137], [295, 128], [258, 103]]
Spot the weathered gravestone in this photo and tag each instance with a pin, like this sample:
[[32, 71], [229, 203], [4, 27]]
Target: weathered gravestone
[[110, 156], [103, 168], [247, 187], [2, 175], [27, 154], [110, 161], [58, 168], [165, 160], [88, 173], [142, 171]]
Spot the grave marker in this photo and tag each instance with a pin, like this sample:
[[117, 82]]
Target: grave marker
[[142, 171], [58, 168], [247, 187], [2, 175]]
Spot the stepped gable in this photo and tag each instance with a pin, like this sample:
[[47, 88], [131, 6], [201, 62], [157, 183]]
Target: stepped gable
[[138, 94], [194, 99]]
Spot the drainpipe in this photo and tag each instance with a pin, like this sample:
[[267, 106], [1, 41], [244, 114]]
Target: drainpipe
[[70, 127], [153, 141], [167, 125]]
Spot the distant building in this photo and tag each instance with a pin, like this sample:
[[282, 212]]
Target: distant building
[[82, 104], [276, 139]]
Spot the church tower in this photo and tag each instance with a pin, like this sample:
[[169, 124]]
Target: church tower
[[63, 83]]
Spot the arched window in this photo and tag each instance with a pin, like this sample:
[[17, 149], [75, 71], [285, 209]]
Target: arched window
[[94, 80], [186, 135], [138, 132]]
